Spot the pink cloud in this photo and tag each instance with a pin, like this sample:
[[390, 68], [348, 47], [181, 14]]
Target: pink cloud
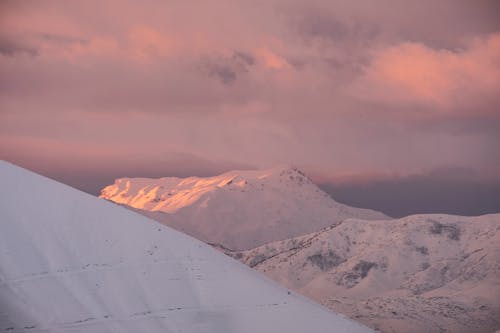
[[249, 82], [146, 44], [415, 73]]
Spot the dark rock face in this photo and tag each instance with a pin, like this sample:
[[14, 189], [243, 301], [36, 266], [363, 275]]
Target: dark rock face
[[451, 230], [358, 272], [325, 261]]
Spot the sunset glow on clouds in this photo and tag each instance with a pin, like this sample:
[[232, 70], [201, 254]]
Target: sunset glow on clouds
[[443, 78], [162, 88]]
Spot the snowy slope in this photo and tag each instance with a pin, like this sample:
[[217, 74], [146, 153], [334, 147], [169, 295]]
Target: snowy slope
[[422, 273], [238, 209], [70, 262]]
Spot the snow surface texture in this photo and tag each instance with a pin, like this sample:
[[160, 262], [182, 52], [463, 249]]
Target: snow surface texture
[[422, 273], [70, 262], [238, 210]]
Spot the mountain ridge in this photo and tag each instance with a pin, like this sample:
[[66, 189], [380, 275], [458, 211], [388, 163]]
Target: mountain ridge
[[421, 273], [237, 209]]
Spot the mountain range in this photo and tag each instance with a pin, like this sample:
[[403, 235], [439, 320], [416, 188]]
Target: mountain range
[[421, 273]]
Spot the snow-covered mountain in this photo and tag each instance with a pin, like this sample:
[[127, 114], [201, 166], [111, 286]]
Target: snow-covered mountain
[[422, 273], [239, 209], [70, 262]]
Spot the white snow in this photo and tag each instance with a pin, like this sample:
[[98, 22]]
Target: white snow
[[422, 273], [238, 209], [70, 262]]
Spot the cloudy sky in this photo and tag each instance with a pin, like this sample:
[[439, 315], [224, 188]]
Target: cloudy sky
[[389, 104]]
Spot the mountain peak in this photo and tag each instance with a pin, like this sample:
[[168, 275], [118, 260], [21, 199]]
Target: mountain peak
[[287, 169], [276, 173], [238, 209]]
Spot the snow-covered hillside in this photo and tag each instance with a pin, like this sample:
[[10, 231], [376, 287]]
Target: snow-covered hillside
[[70, 262], [422, 273], [238, 209]]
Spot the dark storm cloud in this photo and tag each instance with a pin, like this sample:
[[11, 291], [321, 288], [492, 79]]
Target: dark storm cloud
[[246, 58], [454, 191], [224, 73], [63, 39], [392, 21], [314, 23], [30, 44], [10, 47], [227, 69]]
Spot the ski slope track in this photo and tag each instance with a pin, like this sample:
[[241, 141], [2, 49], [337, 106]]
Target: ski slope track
[[239, 210], [70, 262]]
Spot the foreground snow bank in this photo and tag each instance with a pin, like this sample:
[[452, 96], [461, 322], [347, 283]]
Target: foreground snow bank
[[72, 262]]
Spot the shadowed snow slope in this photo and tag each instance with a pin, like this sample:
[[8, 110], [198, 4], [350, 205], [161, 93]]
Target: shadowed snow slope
[[238, 209], [422, 273], [70, 262]]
